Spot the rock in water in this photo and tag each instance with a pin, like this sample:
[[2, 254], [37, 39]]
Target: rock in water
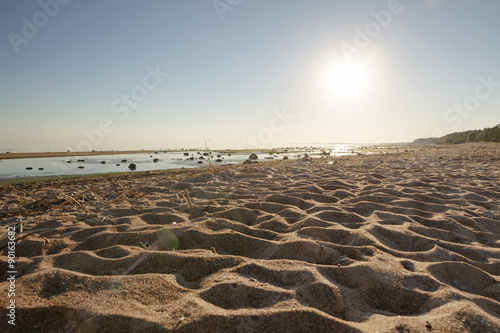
[[132, 166], [253, 156], [155, 160]]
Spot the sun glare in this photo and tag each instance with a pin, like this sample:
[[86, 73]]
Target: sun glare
[[347, 79]]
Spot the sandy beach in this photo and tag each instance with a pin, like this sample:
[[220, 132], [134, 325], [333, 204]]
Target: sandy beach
[[375, 243]]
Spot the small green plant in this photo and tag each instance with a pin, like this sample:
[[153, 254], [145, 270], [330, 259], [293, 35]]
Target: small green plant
[[21, 197], [407, 153]]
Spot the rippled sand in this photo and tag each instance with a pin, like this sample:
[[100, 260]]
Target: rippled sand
[[354, 244]]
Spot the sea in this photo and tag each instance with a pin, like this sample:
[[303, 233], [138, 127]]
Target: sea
[[160, 160]]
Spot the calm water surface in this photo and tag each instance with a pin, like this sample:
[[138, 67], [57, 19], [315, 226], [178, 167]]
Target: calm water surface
[[56, 166]]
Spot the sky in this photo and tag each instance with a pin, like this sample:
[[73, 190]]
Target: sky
[[156, 74]]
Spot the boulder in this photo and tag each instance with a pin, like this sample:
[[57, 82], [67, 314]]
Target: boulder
[[132, 166], [253, 156]]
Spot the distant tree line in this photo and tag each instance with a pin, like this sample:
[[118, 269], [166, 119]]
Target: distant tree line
[[485, 135]]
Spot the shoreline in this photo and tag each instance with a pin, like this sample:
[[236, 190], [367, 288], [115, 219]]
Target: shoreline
[[9, 156]]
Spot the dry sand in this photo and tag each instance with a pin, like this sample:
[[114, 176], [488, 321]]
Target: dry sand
[[365, 244]]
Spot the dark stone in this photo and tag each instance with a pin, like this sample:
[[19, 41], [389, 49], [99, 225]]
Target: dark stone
[[40, 168], [132, 166], [69, 161], [218, 160], [103, 162], [81, 161], [29, 168], [186, 154], [285, 157], [81, 167], [118, 164], [155, 160], [124, 161], [206, 154], [200, 162], [247, 162], [253, 156]]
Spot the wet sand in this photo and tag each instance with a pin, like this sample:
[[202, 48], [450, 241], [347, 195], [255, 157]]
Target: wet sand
[[7, 156], [382, 243]]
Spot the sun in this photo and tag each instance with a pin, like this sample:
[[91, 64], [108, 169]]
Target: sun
[[346, 79]]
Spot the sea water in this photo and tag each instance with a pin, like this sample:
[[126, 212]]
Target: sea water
[[92, 164]]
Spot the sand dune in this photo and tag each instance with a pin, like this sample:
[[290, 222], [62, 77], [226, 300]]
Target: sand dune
[[352, 244]]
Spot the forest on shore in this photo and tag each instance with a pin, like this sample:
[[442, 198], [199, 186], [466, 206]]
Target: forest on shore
[[485, 135]]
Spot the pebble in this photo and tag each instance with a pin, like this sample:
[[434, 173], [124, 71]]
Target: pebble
[[489, 214]]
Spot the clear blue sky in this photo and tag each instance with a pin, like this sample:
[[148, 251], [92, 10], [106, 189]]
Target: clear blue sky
[[341, 72]]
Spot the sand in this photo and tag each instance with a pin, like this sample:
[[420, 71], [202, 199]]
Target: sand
[[385, 243], [8, 156]]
